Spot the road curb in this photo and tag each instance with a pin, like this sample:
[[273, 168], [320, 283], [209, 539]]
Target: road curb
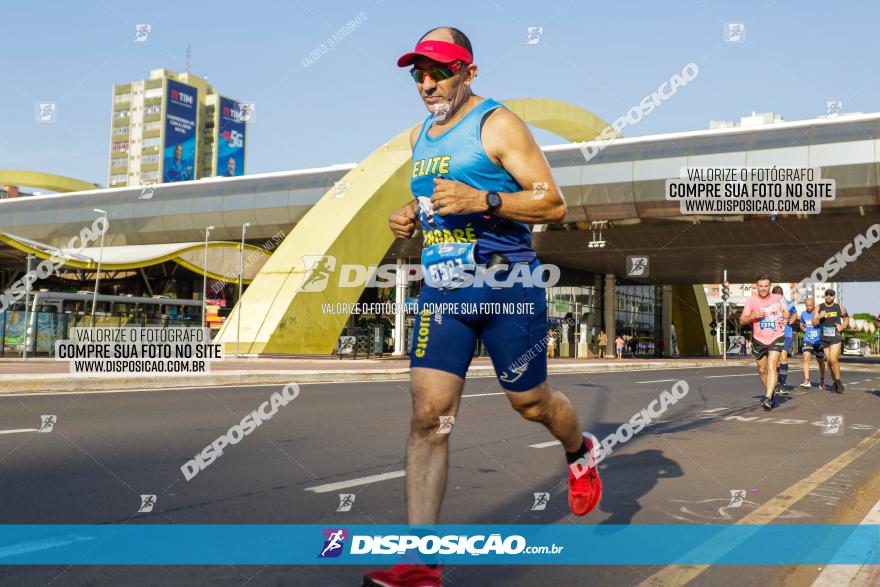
[[63, 382]]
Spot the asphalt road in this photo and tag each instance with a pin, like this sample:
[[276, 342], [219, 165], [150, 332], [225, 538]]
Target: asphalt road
[[106, 449]]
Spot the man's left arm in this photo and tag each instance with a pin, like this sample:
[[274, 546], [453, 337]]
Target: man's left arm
[[508, 142]]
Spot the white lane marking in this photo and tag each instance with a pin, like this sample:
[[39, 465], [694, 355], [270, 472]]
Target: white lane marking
[[19, 430], [712, 411], [854, 575], [356, 482], [359, 381], [545, 444], [484, 394], [658, 381], [739, 375]]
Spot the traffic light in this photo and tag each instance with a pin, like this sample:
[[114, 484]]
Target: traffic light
[[712, 326], [725, 291]]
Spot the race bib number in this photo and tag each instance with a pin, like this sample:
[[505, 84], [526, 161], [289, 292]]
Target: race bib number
[[829, 331], [768, 324], [445, 265]]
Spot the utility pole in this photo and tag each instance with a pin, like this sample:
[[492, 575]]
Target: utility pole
[[725, 295]]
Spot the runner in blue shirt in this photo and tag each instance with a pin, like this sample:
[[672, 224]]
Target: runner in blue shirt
[[812, 344], [782, 382]]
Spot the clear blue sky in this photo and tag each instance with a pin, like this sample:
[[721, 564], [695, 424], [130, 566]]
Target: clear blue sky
[[603, 56]]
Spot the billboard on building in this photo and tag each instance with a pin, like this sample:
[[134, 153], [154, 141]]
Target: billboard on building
[[230, 139], [179, 151]]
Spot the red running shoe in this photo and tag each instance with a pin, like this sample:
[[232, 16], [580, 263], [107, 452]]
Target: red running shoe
[[585, 491], [404, 576]]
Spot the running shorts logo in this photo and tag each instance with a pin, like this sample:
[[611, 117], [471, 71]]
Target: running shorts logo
[[422, 334], [520, 371], [334, 542]]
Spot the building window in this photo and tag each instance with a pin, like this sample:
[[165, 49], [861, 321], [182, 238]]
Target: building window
[[152, 109], [120, 130], [121, 98], [153, 93], [150, 176], [121, 178], [155, 125], [150, 158], [151, 142], [120, 146], [121, 114], [119, 163]]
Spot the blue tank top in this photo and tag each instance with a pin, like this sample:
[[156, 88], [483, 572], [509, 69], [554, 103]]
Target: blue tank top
[[811, 333], [458, 154]]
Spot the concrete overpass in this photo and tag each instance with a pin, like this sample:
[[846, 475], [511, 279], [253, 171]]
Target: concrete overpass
[[623, 184]]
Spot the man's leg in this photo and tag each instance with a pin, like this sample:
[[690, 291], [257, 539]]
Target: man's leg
[[435, 393], [807, 356], [552, 409], [783, 366], [833, 354], [772, 363], [762, 370]]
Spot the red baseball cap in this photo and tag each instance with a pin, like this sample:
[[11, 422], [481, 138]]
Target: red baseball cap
[[441, 51]]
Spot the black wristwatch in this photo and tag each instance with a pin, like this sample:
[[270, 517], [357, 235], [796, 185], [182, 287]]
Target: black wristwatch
[[493, 201]]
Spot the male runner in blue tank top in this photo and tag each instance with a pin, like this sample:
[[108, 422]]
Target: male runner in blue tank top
[[474, 167]]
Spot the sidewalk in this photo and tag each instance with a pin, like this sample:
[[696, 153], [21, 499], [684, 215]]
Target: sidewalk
[[42, 374]]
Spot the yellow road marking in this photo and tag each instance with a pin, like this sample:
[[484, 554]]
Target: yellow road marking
[[766, 513]]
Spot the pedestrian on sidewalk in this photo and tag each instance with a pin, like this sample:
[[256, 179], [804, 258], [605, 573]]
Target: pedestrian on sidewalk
[[603, 343], [618, 343]]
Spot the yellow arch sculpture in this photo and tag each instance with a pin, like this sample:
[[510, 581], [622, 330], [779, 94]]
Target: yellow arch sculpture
[[46, 181], [278, 317]]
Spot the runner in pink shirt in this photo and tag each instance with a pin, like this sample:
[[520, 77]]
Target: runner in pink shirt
[[767, 313]]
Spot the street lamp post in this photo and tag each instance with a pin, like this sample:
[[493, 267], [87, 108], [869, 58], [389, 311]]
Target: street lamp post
[[240, 282], [98, 272], [205, 278]]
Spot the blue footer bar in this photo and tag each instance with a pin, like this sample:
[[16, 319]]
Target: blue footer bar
[[529, 544]]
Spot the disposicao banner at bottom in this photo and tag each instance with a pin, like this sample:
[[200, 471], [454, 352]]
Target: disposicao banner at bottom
[[525, 544]]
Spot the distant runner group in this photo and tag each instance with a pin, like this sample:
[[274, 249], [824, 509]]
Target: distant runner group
[[772, 318]]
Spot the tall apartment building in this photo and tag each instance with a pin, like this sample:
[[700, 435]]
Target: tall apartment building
[[174, 127]]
